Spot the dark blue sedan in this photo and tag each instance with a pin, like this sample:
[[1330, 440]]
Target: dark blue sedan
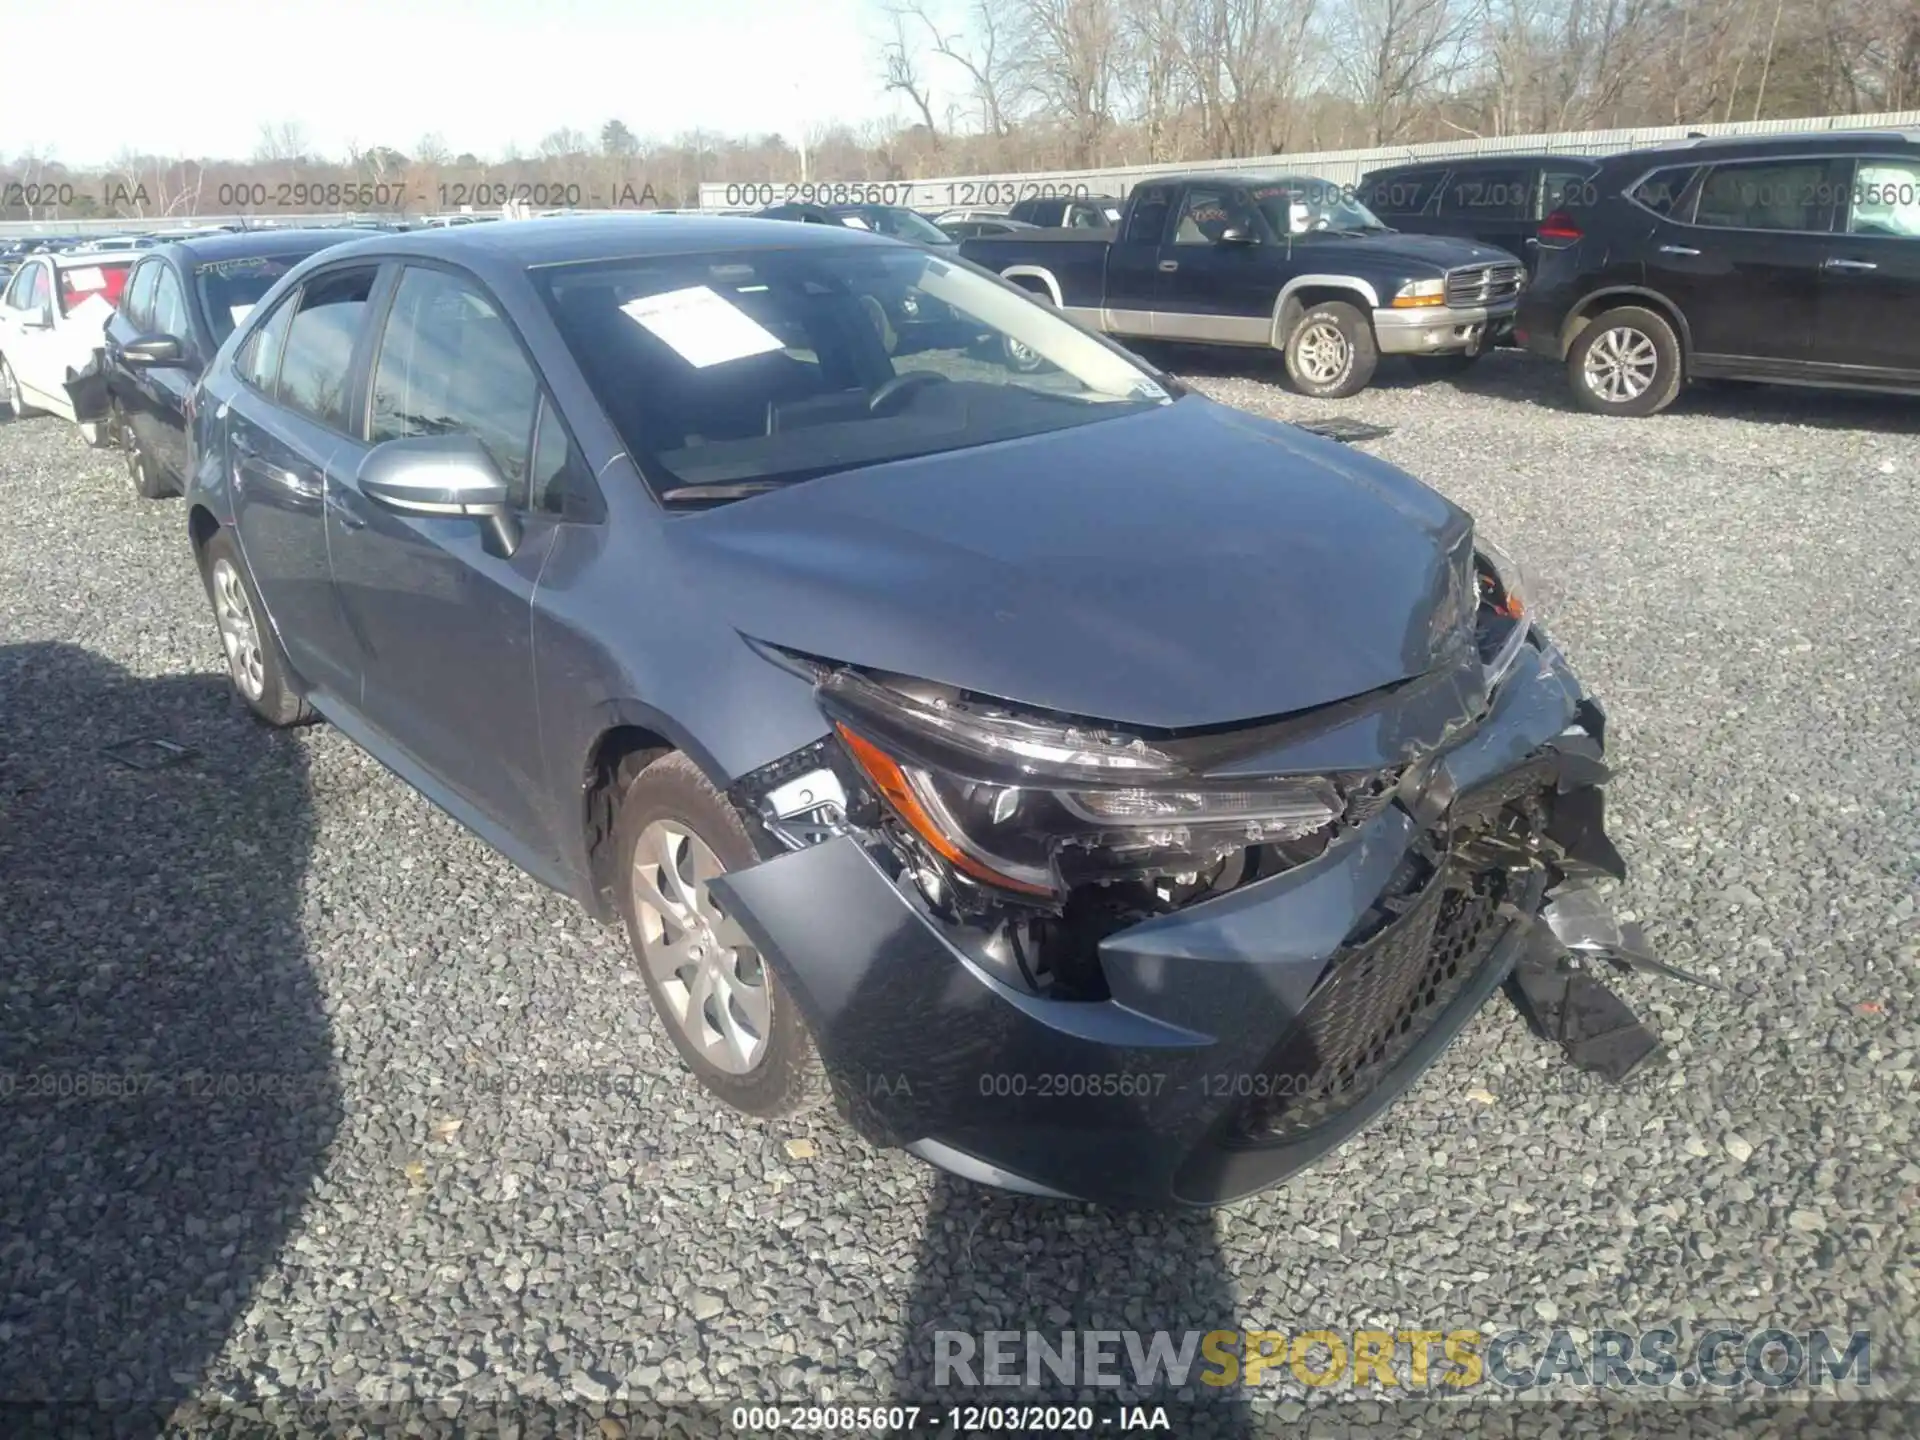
[[1098, 791]]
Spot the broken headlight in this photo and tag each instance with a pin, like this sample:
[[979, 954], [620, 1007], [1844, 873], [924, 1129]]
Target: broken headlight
[[1501, 623], [1037, 806]]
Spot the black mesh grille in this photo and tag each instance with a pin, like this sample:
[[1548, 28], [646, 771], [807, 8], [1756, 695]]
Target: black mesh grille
[[1372, 1005]]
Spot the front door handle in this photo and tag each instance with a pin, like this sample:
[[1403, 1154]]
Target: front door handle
[[1167, 267], [1848, 265], [1678, 250]]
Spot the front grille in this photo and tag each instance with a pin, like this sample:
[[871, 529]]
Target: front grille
[[1373, 1003], [1476, 285]]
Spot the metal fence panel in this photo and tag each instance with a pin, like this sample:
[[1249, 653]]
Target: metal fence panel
[[1340, 167]]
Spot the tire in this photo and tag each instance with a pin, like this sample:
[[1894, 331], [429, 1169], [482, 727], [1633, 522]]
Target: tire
[[1625, 362], [258, 670], [1439, 367], [1018, 357], [748, 1042], [10, 398], [145, 475], [1330, 352]]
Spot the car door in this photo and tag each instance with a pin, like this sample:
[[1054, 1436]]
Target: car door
[[442, 623], [1213, 289], [31, 346], [1870, 276], [126, 384], [286, 427], [164, 388], [1133, 261], [1741, 257]]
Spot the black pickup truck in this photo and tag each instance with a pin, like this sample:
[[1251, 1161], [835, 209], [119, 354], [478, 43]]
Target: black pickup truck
[[1286, 262]]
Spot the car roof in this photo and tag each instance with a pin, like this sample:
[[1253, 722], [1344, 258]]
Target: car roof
[[1473, 162], [251, 244], [1724, 147], [562, 240]]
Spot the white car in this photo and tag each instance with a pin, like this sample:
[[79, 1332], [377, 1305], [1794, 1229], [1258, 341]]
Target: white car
[[51, 321]]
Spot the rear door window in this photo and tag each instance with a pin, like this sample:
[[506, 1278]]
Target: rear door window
[[81, 283], [316, 370], [1148, 222]]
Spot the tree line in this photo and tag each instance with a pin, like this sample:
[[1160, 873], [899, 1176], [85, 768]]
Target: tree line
[[1074, 84]]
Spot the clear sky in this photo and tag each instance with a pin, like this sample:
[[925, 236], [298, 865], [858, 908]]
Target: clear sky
[[200, 77]]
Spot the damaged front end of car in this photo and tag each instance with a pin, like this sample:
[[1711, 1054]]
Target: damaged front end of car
[[1083, 960]]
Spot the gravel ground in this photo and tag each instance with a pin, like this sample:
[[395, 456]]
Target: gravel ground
[[420, 1208]]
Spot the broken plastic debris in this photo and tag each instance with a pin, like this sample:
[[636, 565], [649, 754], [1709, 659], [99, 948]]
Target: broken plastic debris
[[149, 753], [1347, 432]]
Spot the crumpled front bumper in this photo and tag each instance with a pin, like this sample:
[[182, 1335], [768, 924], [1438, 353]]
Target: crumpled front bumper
[[1191, 1084], [1442, 329]]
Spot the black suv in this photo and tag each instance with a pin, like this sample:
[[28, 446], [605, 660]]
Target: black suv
[[1498, 200], [1788, 258]]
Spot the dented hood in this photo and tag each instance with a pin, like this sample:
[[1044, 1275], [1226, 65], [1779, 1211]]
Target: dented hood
[[1186, 566]]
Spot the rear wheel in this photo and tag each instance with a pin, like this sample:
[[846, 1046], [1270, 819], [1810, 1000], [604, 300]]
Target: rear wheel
[[1331, 352], [1626, 362], [723, 1007], [1024, 358]]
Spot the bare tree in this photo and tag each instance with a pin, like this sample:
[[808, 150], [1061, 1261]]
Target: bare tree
[[284, 143], [900, 59]]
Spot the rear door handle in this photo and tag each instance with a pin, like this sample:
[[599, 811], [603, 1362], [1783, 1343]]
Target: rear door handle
[[1678, 250], [1167, 267], [1848, 265]]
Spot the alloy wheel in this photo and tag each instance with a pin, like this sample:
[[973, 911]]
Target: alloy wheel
[[130, 447], [1621, 365], [713, 979], [1322, 352], [238, 631]]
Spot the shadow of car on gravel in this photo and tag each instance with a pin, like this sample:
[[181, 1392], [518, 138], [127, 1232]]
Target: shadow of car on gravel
[[166, 1080], [990, 1261]]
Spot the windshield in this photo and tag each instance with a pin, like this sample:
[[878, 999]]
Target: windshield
[[903, 225], [1301, 205], [769, 367], [229, 289]]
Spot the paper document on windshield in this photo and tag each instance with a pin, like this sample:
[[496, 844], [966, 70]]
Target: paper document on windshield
[[702, 326], [239, 312]]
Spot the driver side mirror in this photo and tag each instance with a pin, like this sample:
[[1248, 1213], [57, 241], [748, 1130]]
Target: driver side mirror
[[431, 475], [1239, 235], [154, 351]]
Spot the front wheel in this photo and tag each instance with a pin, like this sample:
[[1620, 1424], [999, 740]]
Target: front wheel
[[253, 657], [734, 1024], [1626, 362], [147, 481], [1331, 353], [11, 400]]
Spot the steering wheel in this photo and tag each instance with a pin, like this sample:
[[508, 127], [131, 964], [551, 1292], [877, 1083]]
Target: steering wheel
[[890, 390]]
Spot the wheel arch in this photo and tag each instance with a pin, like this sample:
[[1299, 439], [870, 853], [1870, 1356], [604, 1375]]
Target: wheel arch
[[1616, 297], [1025, 275], [628, 735], [1303, 292]]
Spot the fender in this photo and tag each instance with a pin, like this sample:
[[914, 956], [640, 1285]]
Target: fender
[[1036, 272], [1352, 283], [1577, 321]]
